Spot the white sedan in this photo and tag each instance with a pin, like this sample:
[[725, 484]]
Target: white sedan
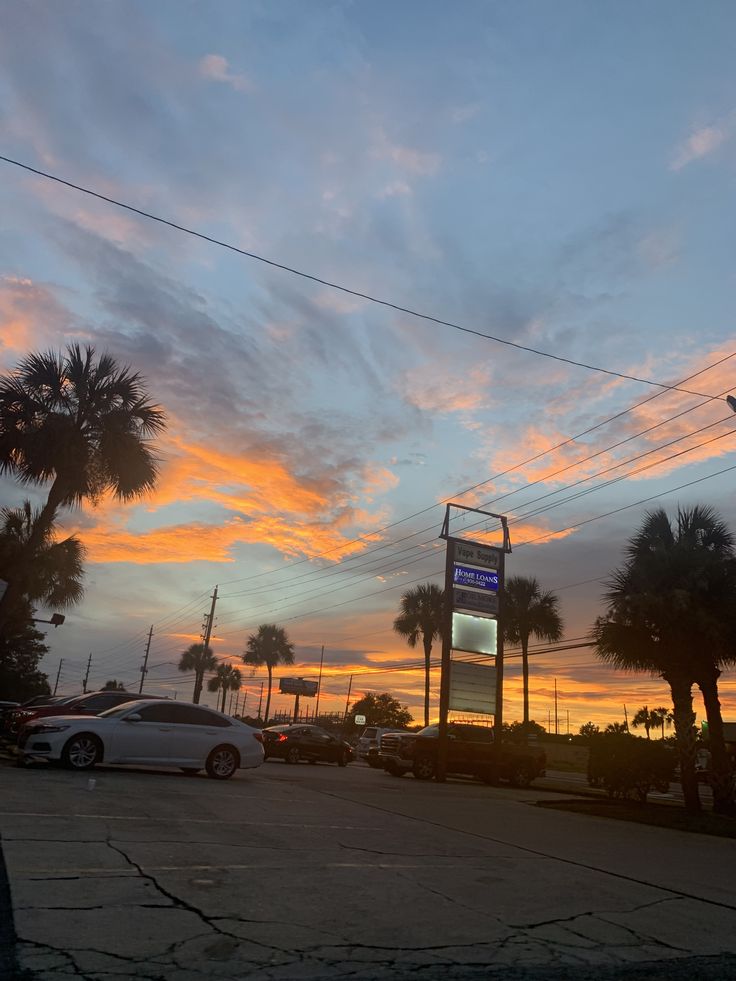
[[147, 732]]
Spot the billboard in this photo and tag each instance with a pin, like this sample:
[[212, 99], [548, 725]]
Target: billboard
[[297, 686]]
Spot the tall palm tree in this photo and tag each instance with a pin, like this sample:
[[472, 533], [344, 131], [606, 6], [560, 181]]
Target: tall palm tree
[[661, 717], [226, 678], [529, 612], [80, 422], [421, 615], [270, 646], [199, 660], [54, 577], [672, 612], [646, 719]]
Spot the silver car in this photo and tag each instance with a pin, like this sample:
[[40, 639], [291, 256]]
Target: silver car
[[148, 733]]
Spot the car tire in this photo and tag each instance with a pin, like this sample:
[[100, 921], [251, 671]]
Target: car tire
[[82, 751], [222, 762], [424, 768], [394, 770], [521, 776], [189, 771], [292, 755]]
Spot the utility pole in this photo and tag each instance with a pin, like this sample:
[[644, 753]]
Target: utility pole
[[144, 669], [549, 721], [58, 674], [319, 683], [568, 722], [557, 727], [230, 706], [347, 703], [237, 699], [86, 677], [260, 701], [210, 618], [626, 717]]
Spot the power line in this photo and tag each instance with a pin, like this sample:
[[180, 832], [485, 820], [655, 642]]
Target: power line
[[343, 289]]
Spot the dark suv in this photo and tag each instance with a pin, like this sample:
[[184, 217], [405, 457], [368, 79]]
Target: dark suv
[[93, 703]]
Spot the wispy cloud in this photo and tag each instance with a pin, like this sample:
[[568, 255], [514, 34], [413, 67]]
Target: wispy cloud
[[217, 68], [701, 143]]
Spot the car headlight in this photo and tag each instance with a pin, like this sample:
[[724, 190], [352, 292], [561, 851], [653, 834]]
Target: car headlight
[[52, 728]]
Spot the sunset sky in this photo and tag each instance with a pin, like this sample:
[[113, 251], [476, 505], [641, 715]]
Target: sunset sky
[[559, 175]]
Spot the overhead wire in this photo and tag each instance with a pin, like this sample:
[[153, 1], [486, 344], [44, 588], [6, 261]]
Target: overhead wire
[[399, 308]]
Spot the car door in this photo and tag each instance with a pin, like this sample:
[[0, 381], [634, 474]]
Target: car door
[[196, 732], [148, 738]]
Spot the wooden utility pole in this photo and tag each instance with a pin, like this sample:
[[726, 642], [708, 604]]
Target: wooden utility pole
[[144, 669], [210, 619], [347, 703], [86, 677], [557, 727], [58, 674], [319, 683], [626, 718]]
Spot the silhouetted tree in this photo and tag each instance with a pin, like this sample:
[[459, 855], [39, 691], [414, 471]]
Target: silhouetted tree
[[269, 646], [421, 613], [382, 710], [195, 658], [226, 678], [529, 612]]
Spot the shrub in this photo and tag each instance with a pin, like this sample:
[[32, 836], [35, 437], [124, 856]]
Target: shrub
[[626, 766]]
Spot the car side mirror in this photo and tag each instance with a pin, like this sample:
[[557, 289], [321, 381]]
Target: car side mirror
[[133, 718]]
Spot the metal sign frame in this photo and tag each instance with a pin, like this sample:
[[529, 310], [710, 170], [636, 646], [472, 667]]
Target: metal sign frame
[[457, 542]]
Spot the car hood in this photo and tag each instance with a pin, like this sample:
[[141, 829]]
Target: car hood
[[68, 719]]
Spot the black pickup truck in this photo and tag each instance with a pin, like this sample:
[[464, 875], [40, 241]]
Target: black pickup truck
[[471, 751]]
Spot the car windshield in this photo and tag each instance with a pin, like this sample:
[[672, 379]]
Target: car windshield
[[431, 731], [117, 710]]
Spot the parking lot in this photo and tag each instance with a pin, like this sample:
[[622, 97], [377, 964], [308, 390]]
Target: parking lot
[[310, 872]]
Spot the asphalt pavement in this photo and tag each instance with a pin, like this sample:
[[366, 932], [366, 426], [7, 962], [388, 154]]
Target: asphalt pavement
[[316, 872]]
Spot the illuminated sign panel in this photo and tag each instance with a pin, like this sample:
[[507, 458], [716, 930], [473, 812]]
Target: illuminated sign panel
[[297, 686], [471, 577], [472, 688], [474, 634]]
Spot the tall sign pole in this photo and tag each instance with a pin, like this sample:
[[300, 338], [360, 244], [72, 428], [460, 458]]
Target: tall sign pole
[[474, 579]]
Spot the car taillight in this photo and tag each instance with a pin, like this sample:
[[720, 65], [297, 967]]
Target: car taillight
[[283, 738], [258, 736]]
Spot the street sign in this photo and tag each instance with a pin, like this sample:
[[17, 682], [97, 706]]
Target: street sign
[[475, 601], [472, 688], [474, 577], [297, 686], [360, 720], [488, 558]]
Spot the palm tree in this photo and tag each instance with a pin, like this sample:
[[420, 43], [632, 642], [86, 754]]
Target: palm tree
[[646, 719], [661, 717], [54, 577], [421, 614], [81, 422], [226, 678], [672, 612], [200, 660], [269, 646], [529, 612]]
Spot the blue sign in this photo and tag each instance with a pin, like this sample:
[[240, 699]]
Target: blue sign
[[472, 578]]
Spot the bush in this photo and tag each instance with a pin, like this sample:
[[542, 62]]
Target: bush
[[626, 766]]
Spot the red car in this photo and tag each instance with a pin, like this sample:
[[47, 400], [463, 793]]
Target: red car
[[93, 703]]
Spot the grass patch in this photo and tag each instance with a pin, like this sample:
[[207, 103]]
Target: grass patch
[[659, 815]]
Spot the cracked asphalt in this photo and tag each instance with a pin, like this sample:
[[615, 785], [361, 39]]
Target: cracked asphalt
[[315, 872]]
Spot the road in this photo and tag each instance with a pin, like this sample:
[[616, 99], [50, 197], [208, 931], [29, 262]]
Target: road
[[315, 872]]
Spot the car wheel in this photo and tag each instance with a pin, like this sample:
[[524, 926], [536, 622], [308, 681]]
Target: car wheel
[[82, 752], [292, 755], [190, 771], [342, 760], [424, 768], [394, 770], [222, 762], [520, 777]]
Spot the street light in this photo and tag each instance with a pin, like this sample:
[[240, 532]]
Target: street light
[[56, 619], [731, 401]]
